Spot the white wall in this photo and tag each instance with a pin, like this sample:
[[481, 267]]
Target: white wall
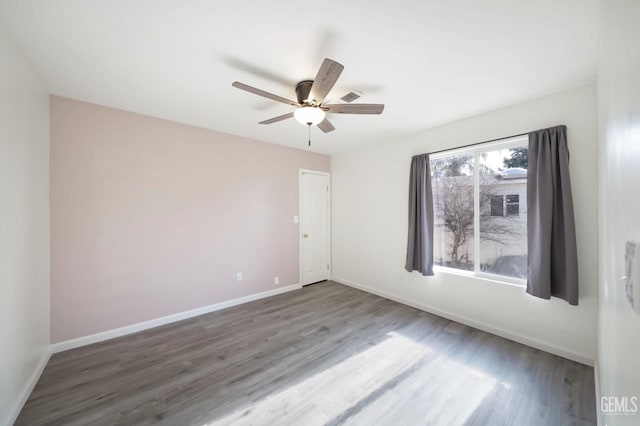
[[370, 192], [619, 128], [24, 229]]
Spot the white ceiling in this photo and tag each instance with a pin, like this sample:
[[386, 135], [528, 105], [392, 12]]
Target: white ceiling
[[429, 61]]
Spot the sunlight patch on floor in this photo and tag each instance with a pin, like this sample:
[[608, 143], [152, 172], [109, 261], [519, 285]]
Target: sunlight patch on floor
[[442, 392], [434, 389], [327, 394]]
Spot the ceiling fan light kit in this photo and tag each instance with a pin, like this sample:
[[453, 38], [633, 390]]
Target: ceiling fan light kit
[[309, 115], [309, 108]]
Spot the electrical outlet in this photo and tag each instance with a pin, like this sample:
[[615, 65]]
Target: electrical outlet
[[276, 280], [239, 276]]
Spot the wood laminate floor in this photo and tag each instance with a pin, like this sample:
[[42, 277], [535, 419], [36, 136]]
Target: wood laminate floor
[[326, 354]]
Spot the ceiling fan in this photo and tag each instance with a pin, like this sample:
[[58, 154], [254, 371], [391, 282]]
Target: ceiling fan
[[310, 109]]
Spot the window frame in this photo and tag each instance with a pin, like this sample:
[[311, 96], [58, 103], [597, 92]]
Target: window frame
[[507, 204], [506, 143]]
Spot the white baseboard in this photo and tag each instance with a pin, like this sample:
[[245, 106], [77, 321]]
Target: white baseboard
[[516, 337], [28, 387], [134, 328]]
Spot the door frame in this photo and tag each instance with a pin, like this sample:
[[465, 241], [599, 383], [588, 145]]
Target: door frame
[[300, 254]]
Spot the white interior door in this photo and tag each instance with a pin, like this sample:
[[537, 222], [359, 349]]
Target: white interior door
[[314, 226]]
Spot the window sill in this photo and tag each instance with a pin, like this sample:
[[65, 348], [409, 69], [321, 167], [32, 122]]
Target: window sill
[[514, 282]]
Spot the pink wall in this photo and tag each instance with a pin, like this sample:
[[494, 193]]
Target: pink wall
[[151, 217]]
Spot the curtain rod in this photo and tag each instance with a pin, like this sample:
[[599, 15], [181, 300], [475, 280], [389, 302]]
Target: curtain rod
[[477, 143]]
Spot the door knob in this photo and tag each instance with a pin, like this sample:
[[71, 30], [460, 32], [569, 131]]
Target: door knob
[[306, 235]]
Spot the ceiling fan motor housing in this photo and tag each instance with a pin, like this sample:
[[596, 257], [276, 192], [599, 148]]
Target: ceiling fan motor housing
[[302, 90]]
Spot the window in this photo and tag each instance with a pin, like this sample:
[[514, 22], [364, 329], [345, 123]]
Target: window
[[497, 205], [480, 225], [512, 205]]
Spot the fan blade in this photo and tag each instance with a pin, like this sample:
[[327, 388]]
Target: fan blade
[[268, 95], [276, 119], [326, 126], [325, 79], [354, 108]]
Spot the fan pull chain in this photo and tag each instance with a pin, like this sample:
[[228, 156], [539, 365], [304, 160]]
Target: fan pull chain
[[309, 124]]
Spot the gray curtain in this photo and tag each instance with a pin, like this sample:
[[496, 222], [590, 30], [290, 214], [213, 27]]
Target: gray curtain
[[552, 258], [420, 239]]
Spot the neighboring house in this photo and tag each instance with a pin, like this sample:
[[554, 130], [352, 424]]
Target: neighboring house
[[508, 215], [503, 223]]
